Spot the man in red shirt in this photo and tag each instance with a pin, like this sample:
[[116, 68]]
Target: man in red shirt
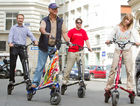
[[77, 36]]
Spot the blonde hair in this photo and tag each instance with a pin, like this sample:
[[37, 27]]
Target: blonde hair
[[129, 17]]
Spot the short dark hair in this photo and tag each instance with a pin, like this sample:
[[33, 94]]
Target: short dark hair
[[78, 19], [20, 14]]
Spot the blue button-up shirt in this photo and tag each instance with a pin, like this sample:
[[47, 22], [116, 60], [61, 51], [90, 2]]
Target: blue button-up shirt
[[18, 35]]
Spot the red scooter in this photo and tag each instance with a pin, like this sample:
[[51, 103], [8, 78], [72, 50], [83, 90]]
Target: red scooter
[[113, 92]]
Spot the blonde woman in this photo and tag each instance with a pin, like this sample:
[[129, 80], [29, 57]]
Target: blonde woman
[[123, 33]]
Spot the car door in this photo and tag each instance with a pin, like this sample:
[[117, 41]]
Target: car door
[[97, 72]]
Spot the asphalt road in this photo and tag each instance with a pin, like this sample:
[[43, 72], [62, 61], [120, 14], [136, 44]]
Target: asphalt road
[[94, 96]]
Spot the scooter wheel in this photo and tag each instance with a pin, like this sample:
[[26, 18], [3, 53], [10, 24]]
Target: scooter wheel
[[81, 92], [9, 89], [29, 96], [138, 86], [132, 97], [107, 96], [63, 89], [115, 98], [55, 98]]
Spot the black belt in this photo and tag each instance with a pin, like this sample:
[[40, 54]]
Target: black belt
[[51, 45], [19, 46]]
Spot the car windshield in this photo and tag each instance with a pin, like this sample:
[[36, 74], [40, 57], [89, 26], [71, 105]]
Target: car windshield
[[100, 68], [1, 62], [92, 67]]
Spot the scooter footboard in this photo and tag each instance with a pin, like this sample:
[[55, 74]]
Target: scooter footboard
[[51, 75]]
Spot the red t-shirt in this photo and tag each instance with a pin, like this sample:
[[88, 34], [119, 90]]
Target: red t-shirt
[[77, 37]]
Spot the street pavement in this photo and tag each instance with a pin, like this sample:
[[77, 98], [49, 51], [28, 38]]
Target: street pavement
[[94, 96]]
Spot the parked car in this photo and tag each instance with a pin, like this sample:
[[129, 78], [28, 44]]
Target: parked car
[[74, 74], [87, 75], [18, 72], [4, 68], [137, 76], [97, 71]]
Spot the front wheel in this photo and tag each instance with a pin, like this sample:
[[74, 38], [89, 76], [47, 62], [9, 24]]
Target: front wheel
[[9, 89], [81, 92], [55, 98], [29, 96], [138, 85], [115, 98], [30, 93]]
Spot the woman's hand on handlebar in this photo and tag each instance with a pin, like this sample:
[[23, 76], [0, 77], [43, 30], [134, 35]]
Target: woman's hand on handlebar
[[108, 42], [137, 44]]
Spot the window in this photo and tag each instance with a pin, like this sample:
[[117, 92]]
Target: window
[[97, 58], [85, 18], [139, 21], [79, 12], [42, 16], [97, 39], [72, 18], [2, 45], [66, 19], [61, 15], [122, 15], [10, 20], [66, 1]]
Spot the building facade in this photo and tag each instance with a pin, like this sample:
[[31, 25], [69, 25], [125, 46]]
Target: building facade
[[98, 17], [135, 6], [33, 11]]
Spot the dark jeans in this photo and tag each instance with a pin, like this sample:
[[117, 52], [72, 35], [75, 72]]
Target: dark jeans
[[14, 53]]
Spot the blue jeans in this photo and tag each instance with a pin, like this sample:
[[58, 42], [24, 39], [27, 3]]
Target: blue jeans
[[42, 58]]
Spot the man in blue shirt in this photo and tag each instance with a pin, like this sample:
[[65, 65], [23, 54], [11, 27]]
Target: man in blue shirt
[[17, 40]]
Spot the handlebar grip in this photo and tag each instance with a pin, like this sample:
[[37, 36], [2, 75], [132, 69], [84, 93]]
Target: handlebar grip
[[74, 45]]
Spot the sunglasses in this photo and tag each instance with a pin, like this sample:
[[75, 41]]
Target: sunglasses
[[54, 8], [78, 22]]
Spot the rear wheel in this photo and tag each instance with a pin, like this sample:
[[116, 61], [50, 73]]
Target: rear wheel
[[18, 73], [132, 97], [63, 89], [138, 85], [107, 96], [9, 89], [92, 76]]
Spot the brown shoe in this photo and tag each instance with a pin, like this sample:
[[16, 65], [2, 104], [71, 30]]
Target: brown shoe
[[107, 89], [33, 86]]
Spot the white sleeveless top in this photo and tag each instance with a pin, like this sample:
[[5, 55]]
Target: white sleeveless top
[[129, 35]]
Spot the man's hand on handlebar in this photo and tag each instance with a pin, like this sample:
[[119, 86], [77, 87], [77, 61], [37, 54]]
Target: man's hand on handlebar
[[89, 49], [49, 35], [69, 44], [36, 43], [11, 45]]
